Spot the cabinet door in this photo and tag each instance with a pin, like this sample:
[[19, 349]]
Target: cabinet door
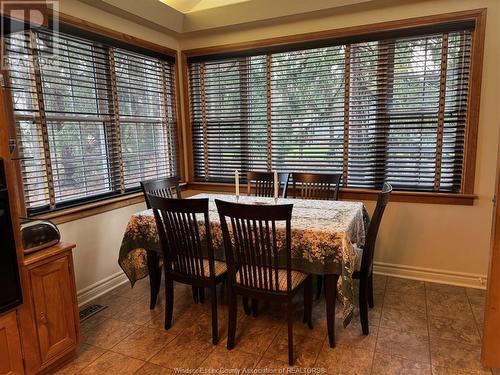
[[11, 361], [54, 308]]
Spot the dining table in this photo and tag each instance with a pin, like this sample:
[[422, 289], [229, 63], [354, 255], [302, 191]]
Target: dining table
[[324, 239]]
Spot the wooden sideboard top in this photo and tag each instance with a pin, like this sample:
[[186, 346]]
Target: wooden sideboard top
[[47, 253]]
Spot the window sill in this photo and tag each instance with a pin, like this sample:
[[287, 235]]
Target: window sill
[[363, 194], [91, 209]]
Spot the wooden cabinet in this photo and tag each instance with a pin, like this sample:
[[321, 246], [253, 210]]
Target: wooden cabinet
[[11, 361], [54, 307]]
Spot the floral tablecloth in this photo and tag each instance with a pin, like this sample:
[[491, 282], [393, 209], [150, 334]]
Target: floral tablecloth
[[323, 234]]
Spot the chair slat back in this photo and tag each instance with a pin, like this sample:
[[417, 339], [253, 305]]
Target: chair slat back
[[165, 187], [371, 237], [261, 184], [183, 228], [316, 185], [255, 244]]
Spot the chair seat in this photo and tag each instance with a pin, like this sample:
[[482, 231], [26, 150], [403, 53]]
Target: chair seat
[[359, 257], [220, 267], [297, 279]]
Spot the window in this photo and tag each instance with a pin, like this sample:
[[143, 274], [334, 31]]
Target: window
[[391, 107], [92, 119]]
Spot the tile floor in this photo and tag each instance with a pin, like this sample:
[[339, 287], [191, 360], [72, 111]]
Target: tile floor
[[416, 328]]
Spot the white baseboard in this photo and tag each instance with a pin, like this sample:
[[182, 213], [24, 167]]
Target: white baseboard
[[469, 280], [104, 286]]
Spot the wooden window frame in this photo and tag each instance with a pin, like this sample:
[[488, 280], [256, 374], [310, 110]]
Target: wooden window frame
[[103, 205], [478, 16]]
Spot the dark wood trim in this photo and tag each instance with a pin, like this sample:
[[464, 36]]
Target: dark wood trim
[[469, 168], [180, 124], [478, 16], [425, 21], [98, 29], [490, 355], [188, 128], [362, 194]]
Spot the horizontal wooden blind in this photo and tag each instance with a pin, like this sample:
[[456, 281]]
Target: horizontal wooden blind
[[91, 120], [390, 110]]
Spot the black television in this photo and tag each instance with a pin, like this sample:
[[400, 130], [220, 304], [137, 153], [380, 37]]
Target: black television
[[10, 286]]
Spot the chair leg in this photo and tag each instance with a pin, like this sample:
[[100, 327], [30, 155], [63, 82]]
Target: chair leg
[[215, 329], [154, 270], [246, 306], [331, 296], [195, 294], [169, 304], [319, 285], [371, 303], [363, 306], [232, 316], [308, 297], [201, 293], [289, 313], [255, 307]]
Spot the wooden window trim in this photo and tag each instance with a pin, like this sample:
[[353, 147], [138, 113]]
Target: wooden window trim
[[478, 16], [90, 209]]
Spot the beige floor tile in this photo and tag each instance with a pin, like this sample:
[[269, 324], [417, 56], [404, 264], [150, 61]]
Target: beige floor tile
[[305, 350], [403, 344], [112, 364], [444, 288], [183, 317], [477, 300], [405, 286], [234, 360], [185, 352], [436, 370], [475, 292], [151, 369], [386, 364], [254, 335], [457, 330], [139, 313], [85, 355], [405, 302], [453, 306], [273, 366], [109, 333], [344, 361], [352, 337], [91, 322], [456, 356], [406, 321], [379, 283], [143, 343], [115, 304]]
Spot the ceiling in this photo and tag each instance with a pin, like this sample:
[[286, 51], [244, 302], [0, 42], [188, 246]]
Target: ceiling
[[187, 16], [187, 6]]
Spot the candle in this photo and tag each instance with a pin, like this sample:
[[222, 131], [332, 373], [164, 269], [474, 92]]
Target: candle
[[237, 182], [276, 185]]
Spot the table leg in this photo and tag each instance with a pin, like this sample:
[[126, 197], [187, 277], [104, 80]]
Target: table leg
[[154, 276], [331, 297]]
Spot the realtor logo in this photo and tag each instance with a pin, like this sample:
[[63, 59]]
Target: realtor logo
[[19, 16]]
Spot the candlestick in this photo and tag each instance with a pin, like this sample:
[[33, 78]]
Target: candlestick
[[276, 185], [237, 183]]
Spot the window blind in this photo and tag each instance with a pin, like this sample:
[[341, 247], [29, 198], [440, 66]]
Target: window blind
[[92, 120], [392, 109]]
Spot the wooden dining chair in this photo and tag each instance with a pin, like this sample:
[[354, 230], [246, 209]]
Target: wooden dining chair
[[261, 184], [258, 255], [364, 267], [188, 254], [167, 188], [316, 185]]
